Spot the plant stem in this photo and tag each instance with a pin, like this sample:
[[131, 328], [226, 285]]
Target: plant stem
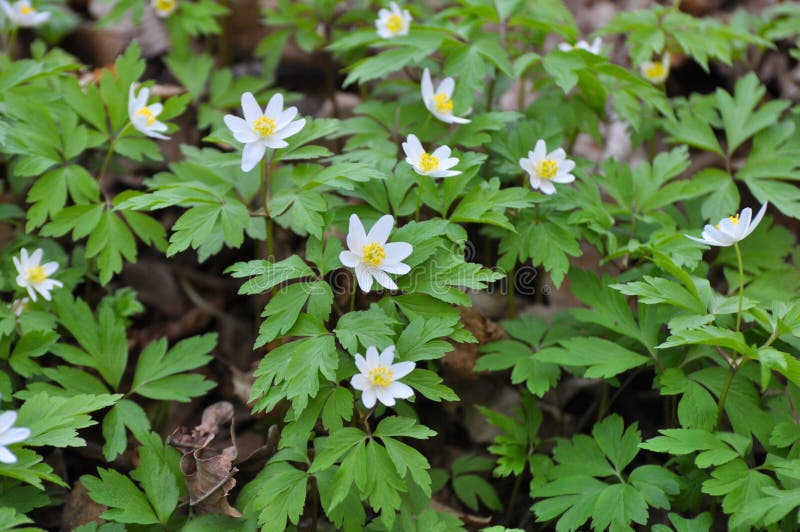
[[110, 152], [514, 491], [419, 198], [741, 287], [266, 185], [353, 290], [724, 395], [12, 40]]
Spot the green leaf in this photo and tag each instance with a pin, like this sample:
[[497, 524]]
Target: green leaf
[[158, 372], [711, 449], [365, 327], [265, 275], [127, 504], [403, 426], [602, 358], [55, 420]]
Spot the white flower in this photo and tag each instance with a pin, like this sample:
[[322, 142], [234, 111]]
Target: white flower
[[547, 168], [23, 14], [439, 102], [656, 71], [371, 256], [9, 434], [392, 22], [18, 306], [436, 164], [379, 378], [594, 48], [143, 116], [164, 8], [33, 275], [732, 229], [259, 131]]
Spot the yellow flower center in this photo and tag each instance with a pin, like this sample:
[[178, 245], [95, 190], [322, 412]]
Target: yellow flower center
[[442, 103], [264, 126], [381, 376], [165, 6], [148, 114], [428, 163], [734, 220], [36, 275], [655, 71], [373, 254], [394, 23], [546, 169], [26, 10]]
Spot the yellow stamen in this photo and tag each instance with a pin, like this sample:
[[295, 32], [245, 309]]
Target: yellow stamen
[[148, 114], [264, 126], [373, 254], [428, 163], [656, 71], [381, 376], [442, 103], [734, 220], [546, 169], [394, 23], [165, 6], [26, 10], [36, 275]]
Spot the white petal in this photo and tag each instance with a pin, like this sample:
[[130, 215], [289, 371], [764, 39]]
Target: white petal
[[401, 369], [563, 177], [275, 143], [547, 187], [45, 291], [380, 231], [397, 251], [400, 390], [373, 358], [756, 220], [349, 259], [7, 420], [240, 128], [446, 86], [386, 357], [427, 88], [384, 280], [703, 241], [566, 166], [539, 152], [364, 278], [368, 397], [359, 382], [286, 117], [6, 456], [251, 155], [384, 396], [361, 364], [290, 129], [383, 30], [536, 182], [131, 101], [31, 292], [564, 47], [447, 163], [275, 106], [14, 435], [413, 148], [17, 264], [442, 152], [452, 119], [156, 108], [250, 107], [356, 237], [36, 257], [723, 239], [50, 268], [400, 268]]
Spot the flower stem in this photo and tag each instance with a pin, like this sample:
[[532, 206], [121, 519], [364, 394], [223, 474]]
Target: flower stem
[[724, 395], [419, 198], [110, 152], [353, 290], [12, 40], [741, 287], [266, 186]]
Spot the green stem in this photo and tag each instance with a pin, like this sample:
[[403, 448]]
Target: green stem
[[12, 40], [266, 185], [741, 287], [353, 291], [724, 395], [419, 198], [425, 126], [110, 152]]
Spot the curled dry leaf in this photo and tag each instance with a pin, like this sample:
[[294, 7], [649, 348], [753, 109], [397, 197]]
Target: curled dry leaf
[[208, 471]]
